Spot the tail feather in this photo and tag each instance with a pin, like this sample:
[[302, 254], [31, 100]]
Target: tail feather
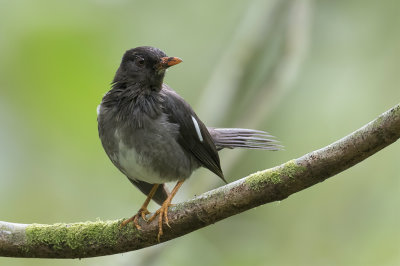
[[243, 138]]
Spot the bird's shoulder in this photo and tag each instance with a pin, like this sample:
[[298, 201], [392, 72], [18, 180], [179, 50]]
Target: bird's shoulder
[[193, 135]]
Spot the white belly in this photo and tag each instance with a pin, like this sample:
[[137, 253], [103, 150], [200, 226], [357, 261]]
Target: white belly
[[135, 166]]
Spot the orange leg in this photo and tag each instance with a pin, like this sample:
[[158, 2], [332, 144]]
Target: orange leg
[[143, 210], [163, 211]]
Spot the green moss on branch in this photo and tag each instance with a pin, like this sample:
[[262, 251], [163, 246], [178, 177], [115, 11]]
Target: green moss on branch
[[275, 175], [77, 237]]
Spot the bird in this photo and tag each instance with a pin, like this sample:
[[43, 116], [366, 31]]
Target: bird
[[153, 136]]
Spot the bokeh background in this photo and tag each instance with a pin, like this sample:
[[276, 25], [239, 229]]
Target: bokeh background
[[309, 72]]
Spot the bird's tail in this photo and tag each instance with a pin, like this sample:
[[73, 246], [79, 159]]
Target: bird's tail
[[243, 138]]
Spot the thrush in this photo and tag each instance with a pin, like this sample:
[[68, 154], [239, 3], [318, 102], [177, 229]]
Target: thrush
[[153, 136]]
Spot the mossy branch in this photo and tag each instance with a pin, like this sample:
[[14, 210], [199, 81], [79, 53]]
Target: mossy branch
[[80, 240]]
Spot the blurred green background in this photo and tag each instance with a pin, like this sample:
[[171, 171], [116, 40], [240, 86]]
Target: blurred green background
[[309, 72]]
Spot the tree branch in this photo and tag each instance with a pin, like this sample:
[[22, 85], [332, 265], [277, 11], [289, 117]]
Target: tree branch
[[90, 239]]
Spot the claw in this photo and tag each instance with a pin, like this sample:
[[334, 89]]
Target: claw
[[141, 213], [135, 222], [166, 218], [125, 222], [162, 217], [162, 212], [144, 213]]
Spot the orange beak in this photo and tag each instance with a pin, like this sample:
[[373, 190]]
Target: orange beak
[[169, 61]]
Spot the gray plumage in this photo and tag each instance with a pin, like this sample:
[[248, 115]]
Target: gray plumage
[[153, 136]]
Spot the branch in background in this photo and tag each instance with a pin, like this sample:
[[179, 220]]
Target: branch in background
[[255, 72], [251, 38], [282, 73], [80, 240]]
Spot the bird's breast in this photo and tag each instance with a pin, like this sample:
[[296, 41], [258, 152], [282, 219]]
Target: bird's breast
[[136, 166], [151, 153]]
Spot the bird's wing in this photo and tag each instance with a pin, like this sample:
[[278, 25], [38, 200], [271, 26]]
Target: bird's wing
[[193, 134]]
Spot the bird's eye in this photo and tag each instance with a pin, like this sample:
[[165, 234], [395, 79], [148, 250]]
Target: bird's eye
[[139, 62]]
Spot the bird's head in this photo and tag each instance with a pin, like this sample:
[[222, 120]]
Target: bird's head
[[144, 65]]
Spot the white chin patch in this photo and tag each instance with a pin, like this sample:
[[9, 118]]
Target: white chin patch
[[161, 71], [98, 109], [196, 126]]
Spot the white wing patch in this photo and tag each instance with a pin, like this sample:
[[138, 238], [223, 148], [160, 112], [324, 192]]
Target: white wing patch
[[98, 109], [196, 126]]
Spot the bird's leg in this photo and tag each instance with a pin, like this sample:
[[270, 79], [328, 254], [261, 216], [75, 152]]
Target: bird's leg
[[143, 210], [163, 211]]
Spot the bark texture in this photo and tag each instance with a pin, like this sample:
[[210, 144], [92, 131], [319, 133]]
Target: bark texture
[[90, 239]]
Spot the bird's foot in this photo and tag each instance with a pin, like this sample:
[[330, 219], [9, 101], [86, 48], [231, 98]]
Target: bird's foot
[[162, 216], [141, 213]]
